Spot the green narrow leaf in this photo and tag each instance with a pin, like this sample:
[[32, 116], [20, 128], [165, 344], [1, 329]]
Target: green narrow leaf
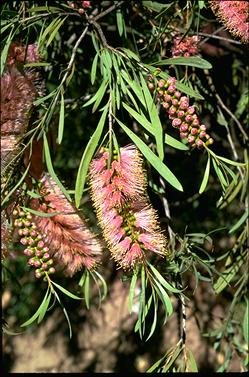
[[230, 162], [171, 358], [87, 156], [132, 291], [220, 175], [56, 28], [134, 86], [51, 169], [103, 282], [43, 99], [86, 289], [164, 297], [99, 98], [141, 119], [153, 326], [163, 170], [44, 308], [61, 119], [246, 323], [119, 18], [41, 214], [193, 61], [205, 177], [94, 68], [65, 313], [239, 222], [169, 140], [154, 118], [5, 50], [100, 92], [192, 362], [37, 313], [130, 53], [66, 292], [161, 280]]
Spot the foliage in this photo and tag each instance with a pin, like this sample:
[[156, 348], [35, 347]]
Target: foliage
[[95, 63]]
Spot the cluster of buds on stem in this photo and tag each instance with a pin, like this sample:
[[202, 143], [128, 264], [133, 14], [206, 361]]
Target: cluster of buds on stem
[[80, 6], [185, 47], [36, 249], [129, 223], [183, 116]]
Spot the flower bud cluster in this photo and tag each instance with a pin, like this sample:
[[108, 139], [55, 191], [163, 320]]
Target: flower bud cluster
[[185, 47], [129, 223], [182, 114], [79, 6], [36, 249]]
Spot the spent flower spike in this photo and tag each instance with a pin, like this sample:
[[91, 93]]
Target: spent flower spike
[[129, 223]]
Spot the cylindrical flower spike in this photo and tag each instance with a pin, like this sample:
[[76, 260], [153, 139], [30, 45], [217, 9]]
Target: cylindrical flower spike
[[130, 225], [183, 115], [69, 239]]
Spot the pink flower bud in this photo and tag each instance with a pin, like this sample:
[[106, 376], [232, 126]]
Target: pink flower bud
[[188, 118], [51, 270], [46, 256], [25, 232], [190, 139], [45, 249], [31, 261], [199, 143], [36, 263], [202, 134], [40, 244], [28, 252], [183, 135], [194, 131], [44, 266], [81, 11], [183, 105], [161, 83], [38, 253], [160, 93], [27, 223], [191, 110], [165, 105], [174, 101], [171, 80], [33, 233], [21, 213], [39, 237], [180, 113], [24, 241], [203, 127], [29, 216], [167, 97], [38, 274], [195, 122], [31, 241], [20, 232], [172, 110], [176, 122], [171, 88], [184, 127], [15, 212], [19, 224], [177, 94]]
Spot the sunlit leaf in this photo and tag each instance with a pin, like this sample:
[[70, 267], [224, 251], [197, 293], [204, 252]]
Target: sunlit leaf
[[205, 177], [163, 170], [87, 156]]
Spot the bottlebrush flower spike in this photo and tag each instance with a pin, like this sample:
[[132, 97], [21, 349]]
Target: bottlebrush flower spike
[[129, 223], [185, 47], [69, 239], [234, 15]]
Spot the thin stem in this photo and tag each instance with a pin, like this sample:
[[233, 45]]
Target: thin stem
[[167, 213]]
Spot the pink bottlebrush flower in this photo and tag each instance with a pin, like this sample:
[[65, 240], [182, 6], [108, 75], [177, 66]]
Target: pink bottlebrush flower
[[153, 241], [70, 241], [124, 220], [234, 15], [185, 47]]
